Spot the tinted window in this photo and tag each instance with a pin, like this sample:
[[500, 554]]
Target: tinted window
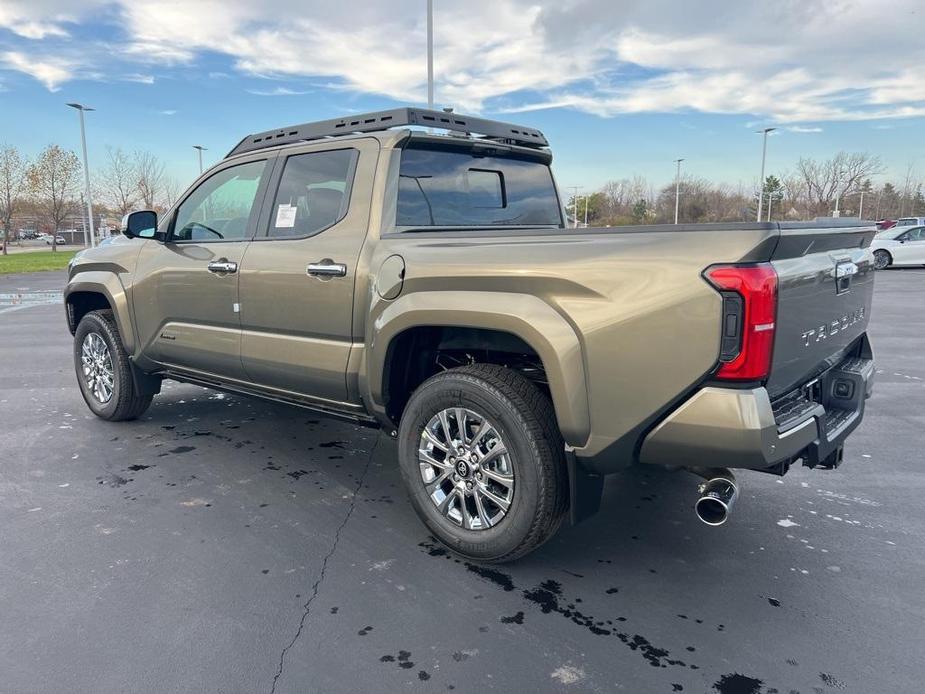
[[220, 208], [313, 193], [444, 187]]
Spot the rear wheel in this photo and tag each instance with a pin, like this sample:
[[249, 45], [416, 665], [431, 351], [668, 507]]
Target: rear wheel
[[882, 260], [104, 371], [484, 462]]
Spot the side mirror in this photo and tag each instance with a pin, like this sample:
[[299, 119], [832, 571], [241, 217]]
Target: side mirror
[[141, 224]]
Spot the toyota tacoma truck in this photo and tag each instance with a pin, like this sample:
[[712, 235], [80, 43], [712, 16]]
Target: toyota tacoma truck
[[413, 270]]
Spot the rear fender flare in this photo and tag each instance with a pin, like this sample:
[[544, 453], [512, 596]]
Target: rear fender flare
[[528, 317]]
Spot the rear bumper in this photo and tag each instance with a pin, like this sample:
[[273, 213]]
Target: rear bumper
[[726, 427]]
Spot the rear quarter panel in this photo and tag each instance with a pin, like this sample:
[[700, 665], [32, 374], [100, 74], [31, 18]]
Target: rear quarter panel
[[645, 324]]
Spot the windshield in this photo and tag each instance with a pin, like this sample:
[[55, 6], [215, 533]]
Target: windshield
[[457, 187], [892, 233]]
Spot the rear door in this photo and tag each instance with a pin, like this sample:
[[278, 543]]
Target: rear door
[[298, 277], [186, 297], [825, 287]]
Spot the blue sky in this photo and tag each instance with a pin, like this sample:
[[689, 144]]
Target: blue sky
[[619, 89]]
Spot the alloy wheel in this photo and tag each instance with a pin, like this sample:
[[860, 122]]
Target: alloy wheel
[[96, 362], [466, 468]]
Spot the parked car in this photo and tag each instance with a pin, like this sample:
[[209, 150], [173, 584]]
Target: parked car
[[910, 222], [427, 284], [59, 240], [899, 246]]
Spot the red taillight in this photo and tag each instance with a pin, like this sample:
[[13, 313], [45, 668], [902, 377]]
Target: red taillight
[[748, 325]]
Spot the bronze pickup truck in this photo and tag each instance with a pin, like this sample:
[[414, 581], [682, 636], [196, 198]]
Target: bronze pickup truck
[[426, 282]]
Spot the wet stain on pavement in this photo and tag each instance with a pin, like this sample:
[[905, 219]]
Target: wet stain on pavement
[[182, 449], [830, 681], [499, 578], [514, 619], [549, 598], [139, 468], [113, 481], [734, 683], [364, 631], [774, 602], [403, 659]]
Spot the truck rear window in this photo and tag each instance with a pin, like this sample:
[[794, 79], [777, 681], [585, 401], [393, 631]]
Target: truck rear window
[[457, 187]]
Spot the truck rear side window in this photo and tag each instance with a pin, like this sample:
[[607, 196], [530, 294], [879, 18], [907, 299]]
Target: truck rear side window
[[313, 193], [457, 187]]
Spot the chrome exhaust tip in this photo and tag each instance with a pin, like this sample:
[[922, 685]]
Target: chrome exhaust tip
[[717, 497]]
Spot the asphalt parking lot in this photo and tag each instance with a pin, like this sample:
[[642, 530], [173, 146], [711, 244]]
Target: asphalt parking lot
[[221, 544]]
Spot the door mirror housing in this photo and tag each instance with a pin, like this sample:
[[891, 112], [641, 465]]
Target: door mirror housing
[[141, 224]]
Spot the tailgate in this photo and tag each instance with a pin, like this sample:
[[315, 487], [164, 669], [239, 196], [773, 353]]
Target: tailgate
[[825, 287]]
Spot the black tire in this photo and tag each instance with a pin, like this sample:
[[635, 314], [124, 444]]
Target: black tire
[[124, 402], [882, 259], [527, 425]]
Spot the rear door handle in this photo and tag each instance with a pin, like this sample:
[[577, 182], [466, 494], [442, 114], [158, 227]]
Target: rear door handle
[[327, 268], [222, 266]]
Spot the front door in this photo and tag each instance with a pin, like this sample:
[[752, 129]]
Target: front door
[[912, 249], [187, 302], [298, 278]]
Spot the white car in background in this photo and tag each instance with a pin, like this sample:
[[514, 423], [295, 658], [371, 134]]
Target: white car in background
[[901, 245], [910, 221]]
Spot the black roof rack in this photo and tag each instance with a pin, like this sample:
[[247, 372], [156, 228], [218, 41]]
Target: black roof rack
[[396, 117]]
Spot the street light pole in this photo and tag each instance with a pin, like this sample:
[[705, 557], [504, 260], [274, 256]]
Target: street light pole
[[861, 206], [586, 210], [677, 190], [764, 154], [83, 143], [575, 190], [430, 53], [200, 148]]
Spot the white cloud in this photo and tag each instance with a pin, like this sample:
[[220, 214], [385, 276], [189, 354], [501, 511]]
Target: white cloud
[[804, 129], [51, 72], [812, 61], [168, 112], [278, 91], [141, 79], [40, 19]]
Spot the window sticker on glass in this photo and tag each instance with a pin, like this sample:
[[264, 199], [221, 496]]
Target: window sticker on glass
[[285, 216]]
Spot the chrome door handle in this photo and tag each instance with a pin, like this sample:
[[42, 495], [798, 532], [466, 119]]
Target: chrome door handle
[[327, 268], [222, 266]]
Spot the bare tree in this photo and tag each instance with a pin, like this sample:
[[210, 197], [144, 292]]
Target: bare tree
[[826, 180], [908, 190], [12, 185], [171, 192], [120, 181], [149, 172], [53, 179]]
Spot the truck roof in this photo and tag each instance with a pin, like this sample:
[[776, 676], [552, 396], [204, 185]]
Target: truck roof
[[380, 121]]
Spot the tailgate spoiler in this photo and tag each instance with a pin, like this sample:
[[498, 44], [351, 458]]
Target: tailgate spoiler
[[798, 239]]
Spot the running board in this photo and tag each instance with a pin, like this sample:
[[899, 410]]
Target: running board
[[205, 382]]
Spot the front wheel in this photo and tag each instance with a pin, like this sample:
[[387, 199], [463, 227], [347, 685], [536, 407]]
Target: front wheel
[[484, 462], [104, 371], [882, 260]]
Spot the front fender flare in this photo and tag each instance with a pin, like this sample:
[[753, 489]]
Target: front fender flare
[[528, 317], [110, 286]]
